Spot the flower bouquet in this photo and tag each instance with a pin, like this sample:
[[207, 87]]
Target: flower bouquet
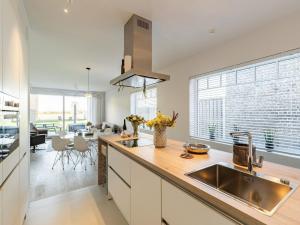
[[135, 121], [160, 124]]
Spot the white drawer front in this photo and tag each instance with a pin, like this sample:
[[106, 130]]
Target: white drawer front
[[120, 193], [179, 208], [10, 162], [120, 163]]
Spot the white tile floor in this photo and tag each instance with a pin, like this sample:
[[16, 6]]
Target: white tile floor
[[87, 206], [45, 182]]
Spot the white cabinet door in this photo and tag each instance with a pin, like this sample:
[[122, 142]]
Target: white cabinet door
[[179, 208], [24, 186], [120, 191], [10, 200], [145, 196], [11, 50], [120, 163]]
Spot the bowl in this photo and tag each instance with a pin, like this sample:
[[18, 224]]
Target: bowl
[[196, 148]]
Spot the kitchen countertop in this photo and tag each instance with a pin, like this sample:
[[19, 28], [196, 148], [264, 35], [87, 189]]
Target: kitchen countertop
[[167, 163]]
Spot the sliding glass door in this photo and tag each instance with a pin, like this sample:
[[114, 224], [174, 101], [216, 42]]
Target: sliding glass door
[[58, 113]]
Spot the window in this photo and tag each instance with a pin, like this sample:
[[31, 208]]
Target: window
[[57, 112], [262, 97], [145, 106], [47, 111]]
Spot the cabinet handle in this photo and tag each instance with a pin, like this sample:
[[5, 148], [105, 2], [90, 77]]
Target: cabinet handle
[[164, 222], [112, 169]]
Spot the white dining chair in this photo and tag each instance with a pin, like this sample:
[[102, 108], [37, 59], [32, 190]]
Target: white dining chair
[[83, 148], [61, 146]]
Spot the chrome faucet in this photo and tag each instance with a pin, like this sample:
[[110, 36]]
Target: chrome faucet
[[250, 142]]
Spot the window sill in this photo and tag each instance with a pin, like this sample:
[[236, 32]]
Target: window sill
[[276, 157]]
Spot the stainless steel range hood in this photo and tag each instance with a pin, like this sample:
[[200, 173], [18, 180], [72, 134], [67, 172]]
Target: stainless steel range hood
[[138, 45]]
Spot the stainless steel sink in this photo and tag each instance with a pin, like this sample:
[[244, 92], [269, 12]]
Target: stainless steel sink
[[263, 193]]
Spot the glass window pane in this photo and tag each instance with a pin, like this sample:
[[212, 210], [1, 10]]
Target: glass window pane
[[47, 111], [214, 81], [202, 84], [266, 72], [245, 75], [229, 78]]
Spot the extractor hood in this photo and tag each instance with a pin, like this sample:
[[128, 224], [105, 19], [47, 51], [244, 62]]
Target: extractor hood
[[138, 46]]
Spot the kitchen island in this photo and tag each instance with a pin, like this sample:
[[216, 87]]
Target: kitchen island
[[166, 165]]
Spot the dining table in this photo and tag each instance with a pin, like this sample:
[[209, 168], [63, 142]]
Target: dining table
[[70, 136]]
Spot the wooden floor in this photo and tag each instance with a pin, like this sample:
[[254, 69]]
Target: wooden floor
[[87, 206], [45, 182]]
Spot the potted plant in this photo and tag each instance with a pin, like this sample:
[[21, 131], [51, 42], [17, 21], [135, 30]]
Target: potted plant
[[135, 121], [89, 125], [269, 139], [235, 139], [212, 131], [160, 124]]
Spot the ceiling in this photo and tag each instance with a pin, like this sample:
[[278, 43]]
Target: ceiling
[[62, 45]]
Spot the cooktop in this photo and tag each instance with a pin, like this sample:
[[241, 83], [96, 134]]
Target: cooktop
[[140, 142]]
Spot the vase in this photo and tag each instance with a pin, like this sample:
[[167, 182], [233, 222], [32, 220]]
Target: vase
[[212, 136], [160, 137], [135, 127]]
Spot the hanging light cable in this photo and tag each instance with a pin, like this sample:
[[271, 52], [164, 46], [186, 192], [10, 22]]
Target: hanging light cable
[[88, 93]]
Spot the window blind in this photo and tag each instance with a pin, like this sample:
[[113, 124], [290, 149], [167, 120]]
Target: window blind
[[263, 98]]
